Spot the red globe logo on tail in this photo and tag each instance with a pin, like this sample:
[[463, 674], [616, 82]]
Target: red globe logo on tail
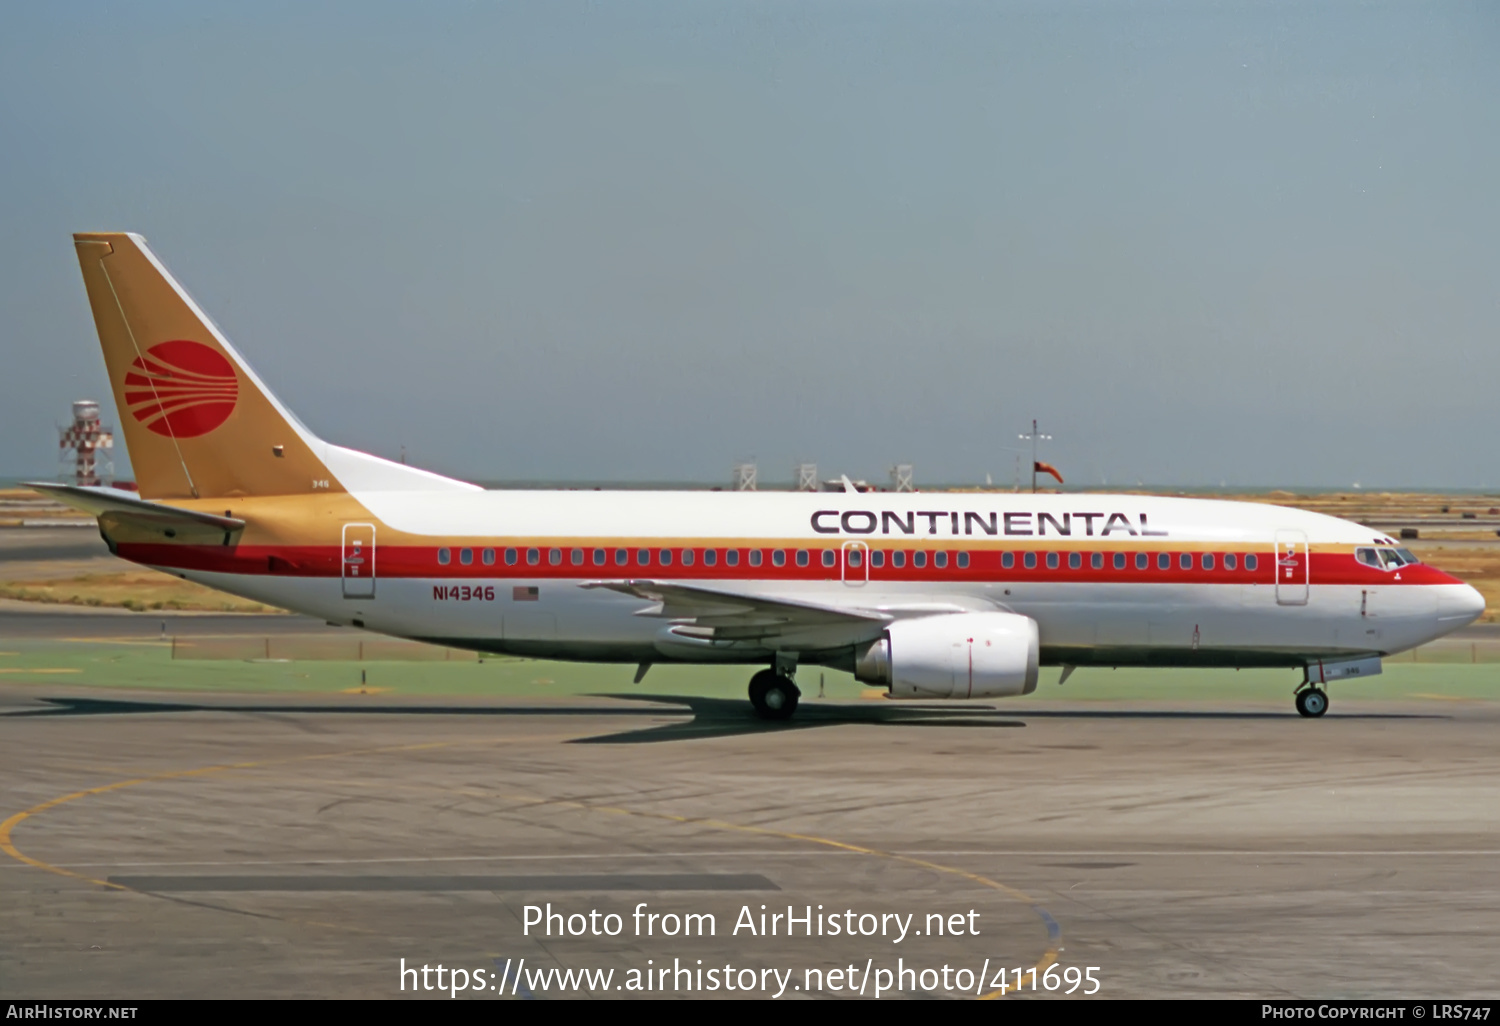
[[181, 389]]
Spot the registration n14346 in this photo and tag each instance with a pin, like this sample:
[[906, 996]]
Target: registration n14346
[[463, 592]]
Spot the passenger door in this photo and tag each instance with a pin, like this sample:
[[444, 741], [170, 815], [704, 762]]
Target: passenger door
[[1292, 568], [855, 560]]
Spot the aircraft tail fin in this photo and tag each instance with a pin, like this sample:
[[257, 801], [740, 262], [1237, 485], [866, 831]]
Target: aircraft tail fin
[[197, 420]]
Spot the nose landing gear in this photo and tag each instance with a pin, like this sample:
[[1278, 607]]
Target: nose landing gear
[[773, 695], [1311, 701]]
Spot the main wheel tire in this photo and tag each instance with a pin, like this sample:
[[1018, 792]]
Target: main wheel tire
[[773, 695], [1312, 702]]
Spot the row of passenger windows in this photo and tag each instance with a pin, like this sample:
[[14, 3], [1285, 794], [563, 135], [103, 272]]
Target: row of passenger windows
[[830, 558], [1121, 560], [687, 557]]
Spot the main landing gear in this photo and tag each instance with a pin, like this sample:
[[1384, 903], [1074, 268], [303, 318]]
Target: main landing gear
[[774, 695], [1311, 700]]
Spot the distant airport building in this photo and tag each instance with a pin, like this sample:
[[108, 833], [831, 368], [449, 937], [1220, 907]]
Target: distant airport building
[[87, 447]]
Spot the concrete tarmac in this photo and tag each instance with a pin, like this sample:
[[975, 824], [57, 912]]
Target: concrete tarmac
[[40, 544], [234, 846]]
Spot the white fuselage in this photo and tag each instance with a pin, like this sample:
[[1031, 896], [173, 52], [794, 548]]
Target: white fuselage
[[1131, 579]]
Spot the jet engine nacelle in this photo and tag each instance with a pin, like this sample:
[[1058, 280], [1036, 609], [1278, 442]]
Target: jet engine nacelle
[[955, 655]]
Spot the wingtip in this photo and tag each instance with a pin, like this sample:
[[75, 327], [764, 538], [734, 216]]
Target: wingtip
[[47, 486]]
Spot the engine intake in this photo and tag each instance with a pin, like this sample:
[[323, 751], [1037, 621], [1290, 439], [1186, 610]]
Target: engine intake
[[955, 655]]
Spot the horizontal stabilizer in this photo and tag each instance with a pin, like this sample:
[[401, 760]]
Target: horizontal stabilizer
[[102, 501]]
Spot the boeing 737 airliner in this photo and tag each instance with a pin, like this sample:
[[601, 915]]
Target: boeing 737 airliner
[[926, 595]]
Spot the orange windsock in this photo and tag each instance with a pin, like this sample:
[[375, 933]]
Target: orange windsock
[[1047, 468]]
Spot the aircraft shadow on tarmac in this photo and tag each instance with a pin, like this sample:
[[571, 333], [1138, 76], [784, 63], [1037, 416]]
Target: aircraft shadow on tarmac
[[725, 717], [710, 717], [720, 717]]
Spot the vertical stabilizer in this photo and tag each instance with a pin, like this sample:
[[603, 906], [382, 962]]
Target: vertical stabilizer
[[197, 420]]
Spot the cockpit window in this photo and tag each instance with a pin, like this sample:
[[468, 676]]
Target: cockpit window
[[1391, 560], [1407, 555], [1367, 557]]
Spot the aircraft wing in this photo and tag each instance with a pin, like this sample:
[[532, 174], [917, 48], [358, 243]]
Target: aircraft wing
[[116, 508], [713, 615]]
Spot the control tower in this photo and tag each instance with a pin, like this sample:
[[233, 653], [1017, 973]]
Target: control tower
[[86, 447]]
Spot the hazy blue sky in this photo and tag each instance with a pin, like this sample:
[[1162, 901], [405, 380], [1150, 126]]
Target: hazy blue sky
[[1250, 242]]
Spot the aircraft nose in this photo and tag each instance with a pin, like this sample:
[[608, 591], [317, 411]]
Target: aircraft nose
[[1459, 604]]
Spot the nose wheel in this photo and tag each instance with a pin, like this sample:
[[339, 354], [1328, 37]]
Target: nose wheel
[[1312, 702], [773, 695]]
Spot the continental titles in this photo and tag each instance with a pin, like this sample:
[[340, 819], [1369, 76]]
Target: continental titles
[[954, 524]]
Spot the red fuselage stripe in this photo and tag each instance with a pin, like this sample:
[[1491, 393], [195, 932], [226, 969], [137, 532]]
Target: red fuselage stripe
[[401, 561]]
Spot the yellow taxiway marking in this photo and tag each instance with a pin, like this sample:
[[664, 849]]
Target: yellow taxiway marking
[[7, 828], [41, 669]]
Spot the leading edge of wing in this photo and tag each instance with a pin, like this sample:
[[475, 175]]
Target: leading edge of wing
[[716, 607]]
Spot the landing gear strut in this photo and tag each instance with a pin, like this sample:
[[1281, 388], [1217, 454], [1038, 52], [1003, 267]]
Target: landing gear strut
[[773, 695], [1312, 701]]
